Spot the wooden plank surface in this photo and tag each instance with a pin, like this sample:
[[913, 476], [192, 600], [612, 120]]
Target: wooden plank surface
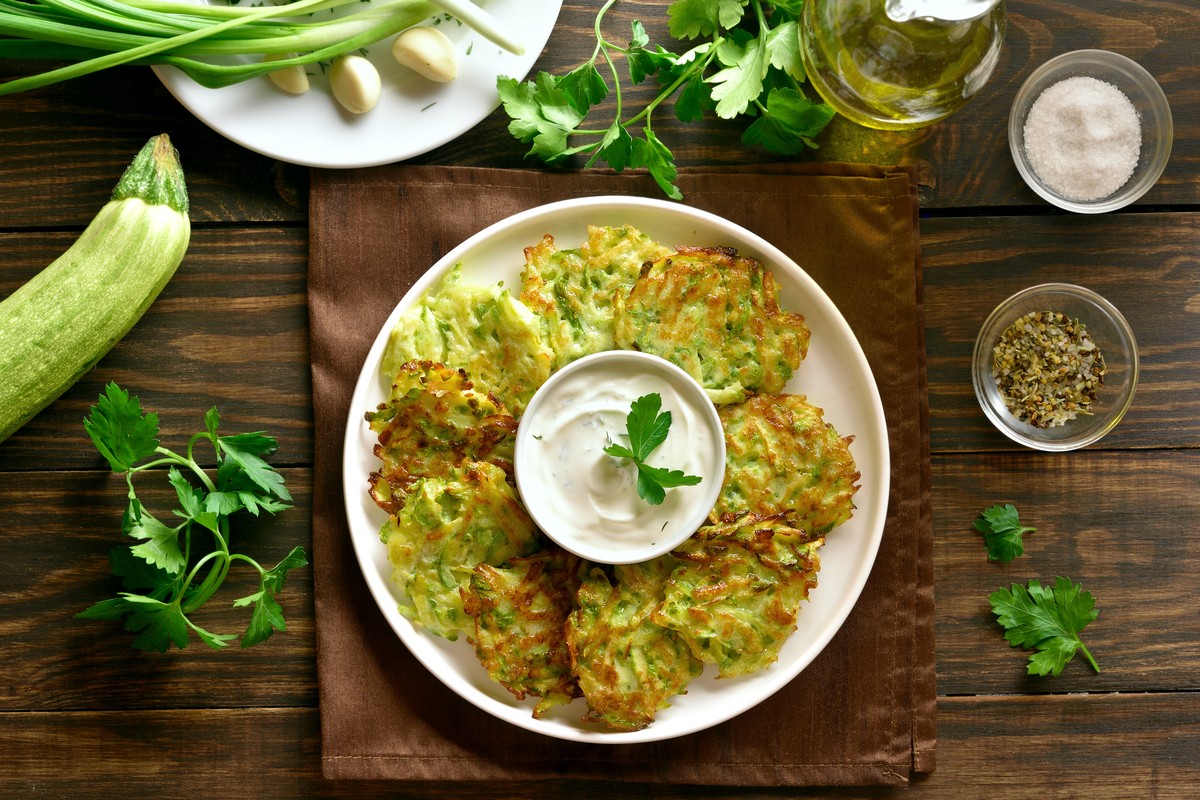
[[82, 715], [67, 149], [1118, 746]]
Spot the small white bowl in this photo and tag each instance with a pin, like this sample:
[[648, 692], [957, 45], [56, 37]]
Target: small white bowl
[[1113, 337], [1135, 83], [586, 500]]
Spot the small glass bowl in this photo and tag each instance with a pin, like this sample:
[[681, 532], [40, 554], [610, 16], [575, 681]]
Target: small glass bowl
[[1141, 89], [1107, 328]]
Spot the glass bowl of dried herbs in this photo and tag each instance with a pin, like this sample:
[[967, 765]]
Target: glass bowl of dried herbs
[[1055, 367]]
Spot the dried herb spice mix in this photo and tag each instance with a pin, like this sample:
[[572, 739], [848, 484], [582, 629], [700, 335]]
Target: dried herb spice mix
[[1047, 368]]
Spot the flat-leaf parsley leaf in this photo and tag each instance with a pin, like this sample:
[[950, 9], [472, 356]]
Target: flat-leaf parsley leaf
[[169, 573], [1048, 619], [1002, 532], [648, 428]]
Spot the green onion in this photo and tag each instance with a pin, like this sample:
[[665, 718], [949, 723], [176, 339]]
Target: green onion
[[97, 34]]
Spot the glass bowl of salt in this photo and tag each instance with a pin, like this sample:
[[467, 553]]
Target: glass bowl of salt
[[1090, 131]]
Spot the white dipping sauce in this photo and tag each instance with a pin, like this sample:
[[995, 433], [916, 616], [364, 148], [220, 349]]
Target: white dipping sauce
[[587, 500]]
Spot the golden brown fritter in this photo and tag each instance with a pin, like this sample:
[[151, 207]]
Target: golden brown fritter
[[735, 597], [574, 291], [716, 315], [781, 456], [481, 329], [520, 612], [629, 666], [433, 422], [447, 526]]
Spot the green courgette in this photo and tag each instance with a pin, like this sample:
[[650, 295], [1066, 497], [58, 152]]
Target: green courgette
[[54, 328]]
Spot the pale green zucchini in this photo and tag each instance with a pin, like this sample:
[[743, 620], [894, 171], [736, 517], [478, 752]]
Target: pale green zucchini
[[55, 328]]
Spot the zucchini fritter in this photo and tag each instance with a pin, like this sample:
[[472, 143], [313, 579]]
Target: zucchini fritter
[[716, 315], [481, 329], [574, 291], [628, 665], [446, 527], [434, 421], [520, 612], [781, 455], [736, 596]]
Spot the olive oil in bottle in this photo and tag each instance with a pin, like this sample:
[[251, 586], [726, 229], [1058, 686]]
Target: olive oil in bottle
[[900, 64]]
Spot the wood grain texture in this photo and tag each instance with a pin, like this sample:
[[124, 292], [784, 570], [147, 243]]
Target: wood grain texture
[[66, 150], [1121, 524], [230, 329], [58, 528], [1118, 746], [1148, 265], [83, 715]]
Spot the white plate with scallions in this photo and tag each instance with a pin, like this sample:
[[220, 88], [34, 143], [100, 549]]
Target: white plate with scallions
[[835, 376], [413, 116]]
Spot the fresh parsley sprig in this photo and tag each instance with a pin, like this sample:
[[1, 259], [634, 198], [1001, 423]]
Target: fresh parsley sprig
[[1003, 533], [168, 574], [747, 64], [647, 429], [1048, 619]]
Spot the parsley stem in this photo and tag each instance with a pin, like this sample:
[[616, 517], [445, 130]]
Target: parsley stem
[[216, 575], [1088, 656], [242, 557], [666, 94], [176, 460]]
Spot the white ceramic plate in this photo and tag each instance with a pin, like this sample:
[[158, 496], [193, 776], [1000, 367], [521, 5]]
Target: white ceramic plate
[[835, 376], [413, 116]]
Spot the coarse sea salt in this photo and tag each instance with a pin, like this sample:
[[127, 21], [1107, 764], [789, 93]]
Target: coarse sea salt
[[1082, 138]]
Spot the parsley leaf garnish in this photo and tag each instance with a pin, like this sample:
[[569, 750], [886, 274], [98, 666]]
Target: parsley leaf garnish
[[1048, 619], [169, 574], [647, 429], [746, 64], [1002, 532]]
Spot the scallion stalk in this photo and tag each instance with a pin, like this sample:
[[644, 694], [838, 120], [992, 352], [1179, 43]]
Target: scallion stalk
[[98, 34]]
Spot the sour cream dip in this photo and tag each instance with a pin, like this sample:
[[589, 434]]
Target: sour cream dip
[[586, 500]]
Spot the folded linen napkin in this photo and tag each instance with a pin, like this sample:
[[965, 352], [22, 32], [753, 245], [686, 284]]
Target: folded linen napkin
[[861, 713]]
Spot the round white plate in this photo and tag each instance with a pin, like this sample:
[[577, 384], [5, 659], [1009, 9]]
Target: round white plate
[[414, 115], [835, 376]]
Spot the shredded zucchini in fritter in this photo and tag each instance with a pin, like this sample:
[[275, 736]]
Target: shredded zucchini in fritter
[[446, 527], [735, 598], [781, 456], [574, 291], [629, 666], [520, 611], [715, 315], [483, 330], [433, 422]]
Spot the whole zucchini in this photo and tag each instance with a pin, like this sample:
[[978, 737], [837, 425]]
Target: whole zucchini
[[55, 328]]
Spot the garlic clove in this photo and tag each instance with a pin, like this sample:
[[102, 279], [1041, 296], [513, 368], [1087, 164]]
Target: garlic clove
[[427, 51], [293, 79], [355, 83]]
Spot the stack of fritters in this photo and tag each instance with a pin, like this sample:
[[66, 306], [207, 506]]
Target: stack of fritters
[[482, 330], [447, 459], [544, 623]]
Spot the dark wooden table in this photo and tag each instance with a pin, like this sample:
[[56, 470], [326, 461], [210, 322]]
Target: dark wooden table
[[84, 715]]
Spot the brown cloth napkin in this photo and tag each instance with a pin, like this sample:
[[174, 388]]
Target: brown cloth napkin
[[861, 713]]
